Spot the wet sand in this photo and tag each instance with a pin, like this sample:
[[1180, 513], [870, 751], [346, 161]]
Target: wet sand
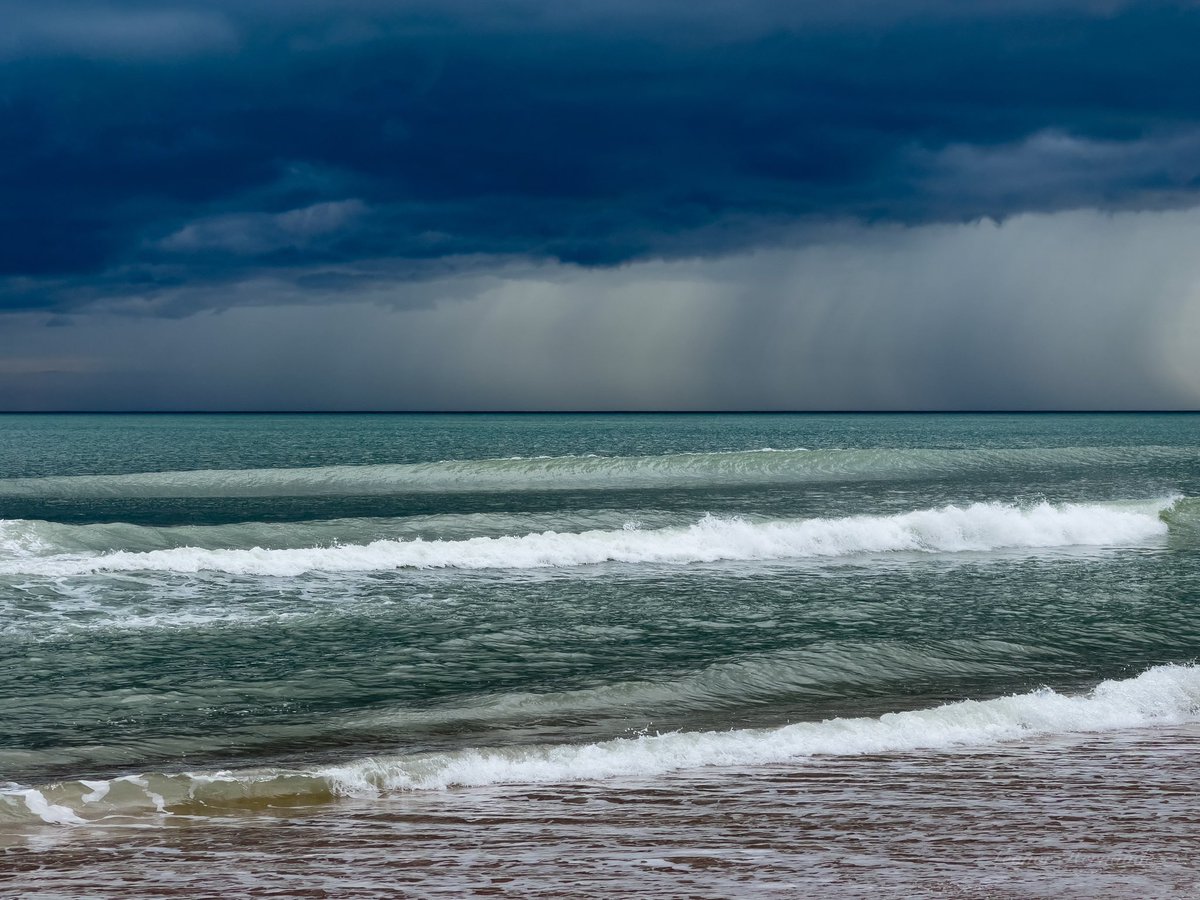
[[1112, 815]]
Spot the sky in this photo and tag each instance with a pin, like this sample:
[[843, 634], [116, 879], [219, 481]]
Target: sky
[[599, 204]]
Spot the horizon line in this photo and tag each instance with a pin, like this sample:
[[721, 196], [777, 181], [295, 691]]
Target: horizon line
[[593, 412]]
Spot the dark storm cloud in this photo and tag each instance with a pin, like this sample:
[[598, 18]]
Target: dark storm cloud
[[317, 144]]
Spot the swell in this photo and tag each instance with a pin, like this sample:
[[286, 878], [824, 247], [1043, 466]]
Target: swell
[[834, 669], [980, 527], [1164, 695], [583, 472]]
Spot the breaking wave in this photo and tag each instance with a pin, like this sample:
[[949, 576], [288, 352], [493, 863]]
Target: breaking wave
[[1164, 695], [37, 537], [979, 527]]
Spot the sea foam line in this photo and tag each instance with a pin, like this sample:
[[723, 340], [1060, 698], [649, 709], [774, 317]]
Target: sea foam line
[[949, 529], [1161, 696]]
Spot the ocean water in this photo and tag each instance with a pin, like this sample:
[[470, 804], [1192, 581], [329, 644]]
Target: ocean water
[[599, 655]]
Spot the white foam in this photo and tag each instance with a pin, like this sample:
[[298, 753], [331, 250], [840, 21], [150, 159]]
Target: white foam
[[36, 537], [1161, 696], [1165, 695], [39, 807], [19, 538], [98, 790], [950, 529], [141, 781]]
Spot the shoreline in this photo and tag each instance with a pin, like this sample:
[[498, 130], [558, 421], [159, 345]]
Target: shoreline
[[1069, 816]]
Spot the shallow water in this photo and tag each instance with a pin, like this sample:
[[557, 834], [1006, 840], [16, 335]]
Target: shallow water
[[698, 654], [1112, 815]]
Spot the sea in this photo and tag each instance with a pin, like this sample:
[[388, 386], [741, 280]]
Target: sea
[[600, 655]]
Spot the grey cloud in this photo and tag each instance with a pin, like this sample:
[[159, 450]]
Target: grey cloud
[[258, 233], [113, 31], [1053, 169], [1069, 310]]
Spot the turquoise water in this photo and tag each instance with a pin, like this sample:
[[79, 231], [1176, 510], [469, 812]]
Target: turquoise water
[[204, 616]]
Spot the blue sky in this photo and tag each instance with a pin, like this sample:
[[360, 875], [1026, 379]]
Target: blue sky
[[902, 204]]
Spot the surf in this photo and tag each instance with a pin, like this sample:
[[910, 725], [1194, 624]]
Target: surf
[[978, 527], [1160, 696]]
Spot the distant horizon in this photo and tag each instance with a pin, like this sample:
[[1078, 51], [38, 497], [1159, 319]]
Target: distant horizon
[[593, 412]]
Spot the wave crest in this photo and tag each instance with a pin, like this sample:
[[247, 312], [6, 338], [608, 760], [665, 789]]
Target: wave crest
[[949, 529], [1164, 695]]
